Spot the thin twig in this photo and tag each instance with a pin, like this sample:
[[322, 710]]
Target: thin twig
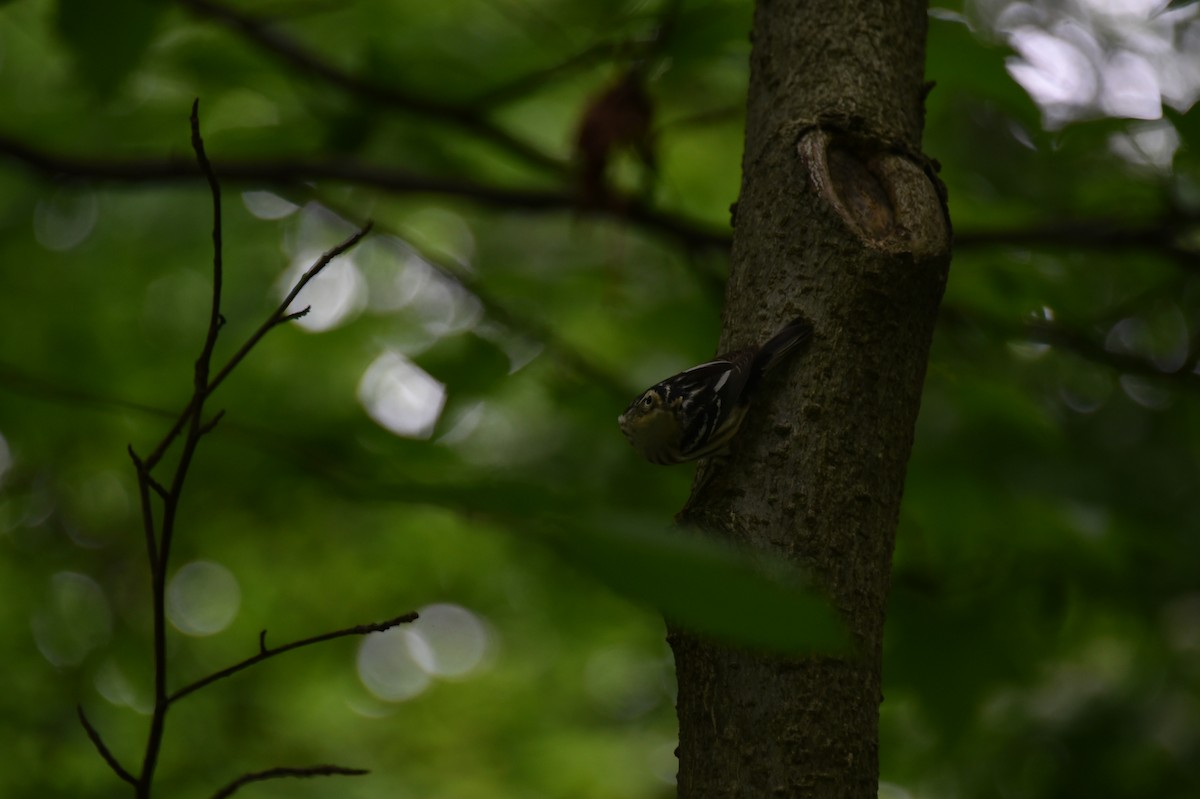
[[278, 317], [208, 426], [283, 771], [108, 756], [145, 482], [158, 542], [193, 415], [281, 314], [265, 652], [300, 314], [216, 320]]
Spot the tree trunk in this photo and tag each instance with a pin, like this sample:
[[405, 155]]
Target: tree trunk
[[840, 218]]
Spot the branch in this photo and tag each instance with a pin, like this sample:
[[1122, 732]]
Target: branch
[[158, 546], [360, 481], [516, 88], [208, 426], [283, 771], [17, 380], [160, 556], [1095, 234], [1071, 339], [295, 54], [145, 483], [111, 760], [690, 233], [1085, 346], [633, 49], [215, 320], [265, 653], [278, 317], [281, 315]]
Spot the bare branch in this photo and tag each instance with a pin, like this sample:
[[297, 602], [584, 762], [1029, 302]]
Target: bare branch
[[1057, 335], [208, 426], [1162, 234], [281, 314], [283, 771], [145, 482], [690, 233], [216, 320], [158, 541], [292, 52], [278, 317], [192, 415], [108, 756], [516, 88], [265, 652], [1087, 345]]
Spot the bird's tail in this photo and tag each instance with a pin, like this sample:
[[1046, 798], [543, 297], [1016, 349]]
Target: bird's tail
[[795, 334]]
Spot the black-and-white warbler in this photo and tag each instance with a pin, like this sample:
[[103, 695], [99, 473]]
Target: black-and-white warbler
[[698, 411]]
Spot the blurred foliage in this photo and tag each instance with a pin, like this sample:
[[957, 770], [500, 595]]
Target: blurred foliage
[[1044, 631]]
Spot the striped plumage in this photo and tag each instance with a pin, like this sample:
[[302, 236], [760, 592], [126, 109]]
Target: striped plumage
[[698, 411]]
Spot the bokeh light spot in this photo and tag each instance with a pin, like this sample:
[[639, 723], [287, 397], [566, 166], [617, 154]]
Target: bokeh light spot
[[1145, 392], [890, 790], [203, 598], [1181, 620], [662, 762], [450, 641], [1151, 145], [1055, 68], [401, 396], [6, 460], [112, 684], [624, 683], [73, 620], [268, 205], [387, 667], [1130, 88], [65, 220], [444, 232], [240, 108]]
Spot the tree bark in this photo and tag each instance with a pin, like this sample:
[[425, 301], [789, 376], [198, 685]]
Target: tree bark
[[840, 218]]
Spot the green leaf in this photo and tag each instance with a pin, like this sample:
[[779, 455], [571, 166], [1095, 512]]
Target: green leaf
[[705, 585], [106, 39]]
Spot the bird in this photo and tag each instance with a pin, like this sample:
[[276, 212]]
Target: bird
[[697, 412]]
